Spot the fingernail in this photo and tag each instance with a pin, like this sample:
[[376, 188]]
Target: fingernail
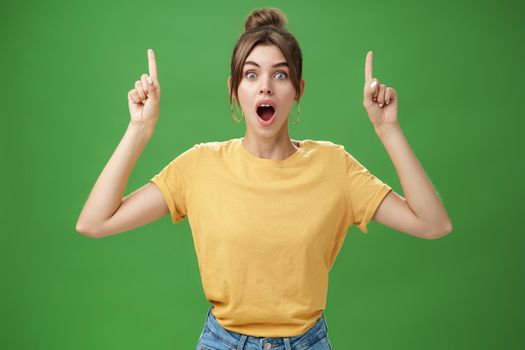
[[150, 81], [373, 84], [380, 105]]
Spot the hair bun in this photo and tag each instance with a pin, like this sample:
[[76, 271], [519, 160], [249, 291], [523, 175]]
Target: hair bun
[[264, 17]]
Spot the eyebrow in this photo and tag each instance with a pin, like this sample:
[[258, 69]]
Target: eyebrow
[[280, 64]]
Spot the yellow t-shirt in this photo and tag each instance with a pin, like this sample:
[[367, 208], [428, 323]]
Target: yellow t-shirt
[[267, 232]]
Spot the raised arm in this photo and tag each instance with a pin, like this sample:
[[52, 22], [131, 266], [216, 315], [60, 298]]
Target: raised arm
[[106, 211], [421, 212]]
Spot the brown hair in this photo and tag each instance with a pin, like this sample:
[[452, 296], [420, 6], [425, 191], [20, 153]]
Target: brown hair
[[265, 26]]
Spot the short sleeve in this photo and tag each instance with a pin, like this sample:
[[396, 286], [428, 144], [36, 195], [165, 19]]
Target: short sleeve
[[364, 192], [175, 180]]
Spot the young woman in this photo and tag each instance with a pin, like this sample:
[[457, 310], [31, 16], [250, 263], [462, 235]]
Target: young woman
[[268, 214]]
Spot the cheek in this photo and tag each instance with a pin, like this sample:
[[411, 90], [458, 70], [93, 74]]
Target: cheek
[[246, 89], [287, 91], [242, 94], [286, 95]]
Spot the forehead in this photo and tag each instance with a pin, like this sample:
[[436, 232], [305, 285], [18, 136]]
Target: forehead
[[266, 55]]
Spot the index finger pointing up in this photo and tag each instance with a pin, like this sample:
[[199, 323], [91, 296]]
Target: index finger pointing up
[[368, 66], [152, 63]]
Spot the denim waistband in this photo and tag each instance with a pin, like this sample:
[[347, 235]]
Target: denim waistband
[[240, 341]]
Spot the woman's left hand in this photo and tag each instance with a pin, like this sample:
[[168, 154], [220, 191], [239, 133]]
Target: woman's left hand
[[379, 100]]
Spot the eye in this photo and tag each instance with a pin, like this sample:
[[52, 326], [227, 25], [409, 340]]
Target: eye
[[251, 75], [283, 74], [248, 75]]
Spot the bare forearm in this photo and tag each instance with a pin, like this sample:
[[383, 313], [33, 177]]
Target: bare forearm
[[106, 195], [417, 188]]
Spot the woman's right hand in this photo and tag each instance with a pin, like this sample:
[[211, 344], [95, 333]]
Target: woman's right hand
[[144, 99]]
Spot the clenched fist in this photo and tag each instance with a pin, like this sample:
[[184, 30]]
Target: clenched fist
[[144, 99]]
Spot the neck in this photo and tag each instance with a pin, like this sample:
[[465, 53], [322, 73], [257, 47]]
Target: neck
[[279, 147]]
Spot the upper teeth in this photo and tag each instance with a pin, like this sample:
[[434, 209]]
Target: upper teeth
[[265, 105]]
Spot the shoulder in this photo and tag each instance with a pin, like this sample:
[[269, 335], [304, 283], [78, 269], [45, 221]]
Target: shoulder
[[216, 149], [214, 146], [325, 147], [336, 153], [326, 144]]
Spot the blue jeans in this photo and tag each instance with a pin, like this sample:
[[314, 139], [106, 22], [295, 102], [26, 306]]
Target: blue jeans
[[215, 337]]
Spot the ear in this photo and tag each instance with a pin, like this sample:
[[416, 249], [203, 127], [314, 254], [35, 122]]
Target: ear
[[303, 82]]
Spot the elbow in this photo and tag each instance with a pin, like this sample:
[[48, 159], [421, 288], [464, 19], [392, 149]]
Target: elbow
[[439, 231], [86, 231]]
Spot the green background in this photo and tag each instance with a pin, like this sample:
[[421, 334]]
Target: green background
[[458, 70]]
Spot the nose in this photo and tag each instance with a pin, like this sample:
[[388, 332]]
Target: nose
[[265, 91], [265, 87]]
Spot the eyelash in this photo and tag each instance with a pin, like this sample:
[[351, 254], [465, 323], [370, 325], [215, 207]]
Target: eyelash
[[281, 72]]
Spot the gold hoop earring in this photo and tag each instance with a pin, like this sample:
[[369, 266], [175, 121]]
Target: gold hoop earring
[[234, 115], [298, 115]]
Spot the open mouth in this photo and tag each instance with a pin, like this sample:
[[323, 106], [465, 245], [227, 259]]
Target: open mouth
[[265, 112]]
